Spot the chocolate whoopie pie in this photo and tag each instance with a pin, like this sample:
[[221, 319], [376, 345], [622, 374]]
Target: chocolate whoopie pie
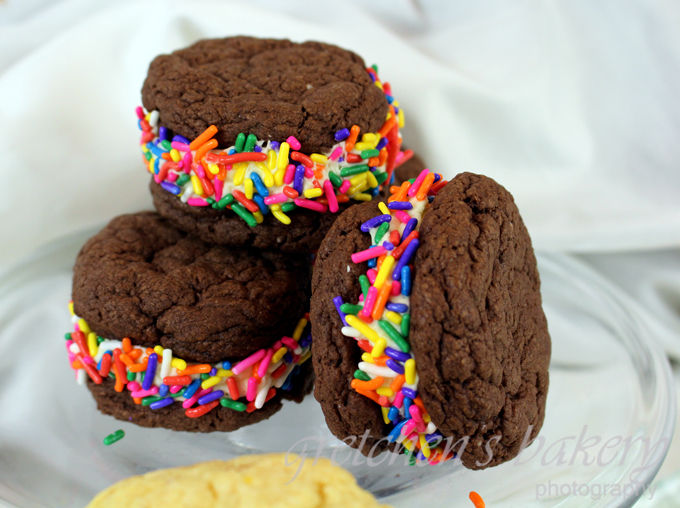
[[427, 323], [263, 142], [164, 320]]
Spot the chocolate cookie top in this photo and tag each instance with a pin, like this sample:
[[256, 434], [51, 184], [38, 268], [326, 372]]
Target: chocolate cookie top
[[267, 87], [478, 333], [141, 278]]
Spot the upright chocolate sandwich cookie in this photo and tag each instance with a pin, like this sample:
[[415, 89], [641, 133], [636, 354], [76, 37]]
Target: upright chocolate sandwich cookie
[[168, 328], [263, 142], [427, 322]]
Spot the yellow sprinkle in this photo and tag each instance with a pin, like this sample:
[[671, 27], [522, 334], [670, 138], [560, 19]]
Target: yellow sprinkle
[[379, 347], [408, 444], [159, 351], [410, 371], [282, 161], [318, 157], [211, 381], [427, 418], [385, 390], [144, 149], [383, 208], [299, 329], [362, 196], [355, 189], [248, 188], [213, 168], [279, 354], [378, 84], [424, 447], [393, 316], [366, 357], [276, 212], [400, 118], [178, 364], [384, 272], [385, 411], [360, 178], [70, 309], [361, 146], [84, 327], [147, 116], [198, 188], [267, 176], [92, 343], [240, 173], [151, 163], [258, 217], [278, 177], [313, 193], [271, 159], [395, 104], [176, 157], [372, 181], [305, 357], [362, 327], [224, 373], [369, 137]]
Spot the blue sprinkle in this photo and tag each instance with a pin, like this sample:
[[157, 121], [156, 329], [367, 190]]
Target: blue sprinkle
[[163, 391], [393, 414], [406, 280], [171, 187], [213, 371], [397, 307], [209, 397], [407, 404], [260, 202], [387, 245], [158, 151], [410, 226], [259, 184], [400, 205], [392, 179], [405, 258], [192, 388], [396, 367], [298, 181], [430, 199], [372, 263], [437, 177], [288, 357], [390, 99], [375, 222], [374, 191], [231, 151], [338, 301], [341, 134], [394, 433], [162, 133], [161, 403], [274, 145], [157, 165], [226, 365], [397, 355], [181, 139], [296, 370], [381, 144], [288, 384], [408, 392], [257, 148]]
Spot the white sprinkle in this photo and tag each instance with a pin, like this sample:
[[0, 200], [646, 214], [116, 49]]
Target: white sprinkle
[[431, 427], [376, 370], [81, 377], [309, 87], [348, 331], [74, 348], [167, 360], [348, 269], [153, 118], [279, 382], [262, 394]]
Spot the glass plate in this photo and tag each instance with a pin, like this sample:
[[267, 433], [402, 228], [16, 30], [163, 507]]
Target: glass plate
[[611, 393]]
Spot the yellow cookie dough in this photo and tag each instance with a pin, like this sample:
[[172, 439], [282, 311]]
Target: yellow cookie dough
[[250, 481]]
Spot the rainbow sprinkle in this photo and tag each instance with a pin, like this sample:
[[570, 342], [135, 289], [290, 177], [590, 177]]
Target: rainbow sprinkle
[[380, 321], [156, 379], [254, 177]]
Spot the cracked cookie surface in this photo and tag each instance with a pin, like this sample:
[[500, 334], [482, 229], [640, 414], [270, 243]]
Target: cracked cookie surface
[[142, 278], [267, 87]]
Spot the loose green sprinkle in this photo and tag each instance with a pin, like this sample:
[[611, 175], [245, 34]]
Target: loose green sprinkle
[[360, 374], [146, 401], [354, 170], [179, 393], [205, 376], [250, 143], [148, 155], [112, 375], [412, 180], [288, 207], [112, 438], [233, 404], [365, 284], [131, 376], [405, 322], [240, 142], [382, 229], [348, 308], [335, 179], [381, 176], [367, 154], [241, 211], [375, 68], [100, 339], [67, 336], [394, 335], [224, 202], [182, 179], [211, 201], [166, 144]]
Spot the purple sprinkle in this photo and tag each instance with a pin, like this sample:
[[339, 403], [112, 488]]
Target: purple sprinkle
[[181, 139], [421, 455], [437, 177], [288, 357], [298, 182], [171, 187], [213, 371], [388, 245], [209, 397], [410, 226], [257, 149], [435, 436], [162, 133], [397, 355], [161, 403], [381, 144], [372, 76], [400, 205], [405, 258], [375, 222], [342, 134], [408, 392], [397, 307], [341, 159], [338, 301], [150, 371], [396, 367], [274, 145]]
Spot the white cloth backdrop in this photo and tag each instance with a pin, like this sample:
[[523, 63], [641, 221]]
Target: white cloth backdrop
[[572, 105]]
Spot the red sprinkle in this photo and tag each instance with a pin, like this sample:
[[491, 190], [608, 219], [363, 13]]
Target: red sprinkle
[[365, 345], [279, 371], [201, 410], [304, 159], [396, 253], [213, 158], [290, 192], [353, 157], [248, 203], [251, 405], [106, 366], [177, 380], [232, 385]]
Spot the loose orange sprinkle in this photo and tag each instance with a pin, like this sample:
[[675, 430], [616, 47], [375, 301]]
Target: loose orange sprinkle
[[342, 198], [370, 394], [127, 360], [389, 123], [127, 345], [205, 136], [353, 135], [203, 368], [397, 383], [205, 148], [477, 500], [137, 400], [138, 367], [380, 302], [425, 187], [373, 384], [135, 354]]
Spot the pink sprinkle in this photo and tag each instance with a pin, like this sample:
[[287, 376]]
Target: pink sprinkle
[[370, 300], [398, 400], [413, 190], [330, 196], [336, 153], [402, 216], [140, 112], [400, 156], [197, 202], [345, 186], [289, 343], [420, 426], [199, 393], [262, 369], [367, 254], [396, 288], [408, 427], [140, 394], [290, 174], [294, 143], [311, 205], [89, 360], [172, 177], [76, 327], [180, 146], [186, 162], [361, 297], [309, 173], [219, 186], [275, 198], [277, 345], [244, 364], [371, 274], [252, 389], [198, 169], [175, 388], [415, 413], [134, 386]]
